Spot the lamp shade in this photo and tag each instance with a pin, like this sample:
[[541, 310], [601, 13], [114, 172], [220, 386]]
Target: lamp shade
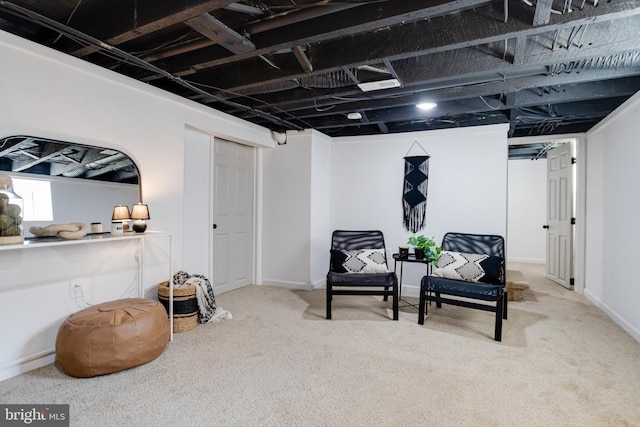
[[120, 213], [140, 211]]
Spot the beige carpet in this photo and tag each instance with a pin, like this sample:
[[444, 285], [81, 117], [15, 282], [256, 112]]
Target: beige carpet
[[562, 362], [517, 285]]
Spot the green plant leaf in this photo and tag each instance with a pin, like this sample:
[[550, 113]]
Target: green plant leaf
[[428, 245]]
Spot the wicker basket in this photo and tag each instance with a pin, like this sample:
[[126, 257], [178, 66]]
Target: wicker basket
[[185, 306]]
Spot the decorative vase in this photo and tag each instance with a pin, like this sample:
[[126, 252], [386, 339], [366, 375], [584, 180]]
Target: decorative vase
[[117, 228], [419, 252], [96, 227], [11, 208]]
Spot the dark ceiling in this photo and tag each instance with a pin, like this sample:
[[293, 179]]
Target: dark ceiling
[[546, 67]]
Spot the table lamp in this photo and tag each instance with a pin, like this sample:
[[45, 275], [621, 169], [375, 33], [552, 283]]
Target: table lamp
[[140, 212]]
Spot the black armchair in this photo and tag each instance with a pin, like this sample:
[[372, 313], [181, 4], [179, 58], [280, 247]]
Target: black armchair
[[481, 258], [358, 260]]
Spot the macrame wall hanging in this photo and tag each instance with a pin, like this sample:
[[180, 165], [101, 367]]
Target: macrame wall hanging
[[414, 193]]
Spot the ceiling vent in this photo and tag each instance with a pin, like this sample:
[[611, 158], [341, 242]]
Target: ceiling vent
[[379, 85]]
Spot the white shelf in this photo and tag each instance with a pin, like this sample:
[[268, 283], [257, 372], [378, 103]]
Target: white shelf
[[41, 242]]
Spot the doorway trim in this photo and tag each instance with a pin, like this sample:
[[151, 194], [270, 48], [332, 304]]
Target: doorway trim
[[217, 142], [194, 137], [580, 194]]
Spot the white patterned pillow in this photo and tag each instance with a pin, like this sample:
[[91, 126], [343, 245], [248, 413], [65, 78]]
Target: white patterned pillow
[[359, 261], [468, 267]]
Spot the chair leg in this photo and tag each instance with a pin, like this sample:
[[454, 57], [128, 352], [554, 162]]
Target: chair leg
[[438, 303], [329, 297], [506, 298], [395, 300], [422, 306], [499, 307]]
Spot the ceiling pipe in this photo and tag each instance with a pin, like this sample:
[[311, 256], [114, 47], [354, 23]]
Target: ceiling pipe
[[93, 165], [113, 167]]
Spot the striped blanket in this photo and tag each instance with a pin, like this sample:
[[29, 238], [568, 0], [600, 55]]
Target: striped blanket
[[208, 310]]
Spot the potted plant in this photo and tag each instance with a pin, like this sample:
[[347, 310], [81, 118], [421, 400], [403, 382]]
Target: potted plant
[[425, 248]]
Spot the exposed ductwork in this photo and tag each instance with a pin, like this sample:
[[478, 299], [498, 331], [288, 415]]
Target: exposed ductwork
[[111, 162], [611, 62]]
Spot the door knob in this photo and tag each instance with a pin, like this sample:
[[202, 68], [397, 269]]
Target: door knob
[[215, 226], [545, 226]]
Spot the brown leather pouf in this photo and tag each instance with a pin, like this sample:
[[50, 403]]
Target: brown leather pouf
[[111, 337]]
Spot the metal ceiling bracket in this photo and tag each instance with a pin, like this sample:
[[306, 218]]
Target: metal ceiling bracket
[[302, 58]]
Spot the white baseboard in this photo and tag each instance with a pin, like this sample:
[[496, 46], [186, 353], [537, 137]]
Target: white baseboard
[[629, 328], [526, 260], [411, 291], [27, 364], [289, 285], [322, 283]]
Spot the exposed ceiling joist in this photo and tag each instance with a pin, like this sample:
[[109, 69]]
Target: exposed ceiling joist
[[51, 151], [543, 67], [219, 33], [243, 8], [119, 22], [340, 25], [441, 59], [542, 13]]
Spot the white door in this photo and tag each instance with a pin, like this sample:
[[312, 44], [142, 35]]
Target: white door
[[559, 214], [233, 195]]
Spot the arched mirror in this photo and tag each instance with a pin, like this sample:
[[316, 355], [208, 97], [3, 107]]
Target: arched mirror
[[62, 182]]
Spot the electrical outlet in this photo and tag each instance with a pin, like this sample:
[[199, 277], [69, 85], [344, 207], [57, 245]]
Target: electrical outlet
[[75, 290]]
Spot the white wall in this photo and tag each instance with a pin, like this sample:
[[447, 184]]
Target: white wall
[[613, 209], [296, 206], [467, 185], [467, 181], [197, 203], [51, 95], [320, 193], [311, 189], [287, 184], [527, 204]]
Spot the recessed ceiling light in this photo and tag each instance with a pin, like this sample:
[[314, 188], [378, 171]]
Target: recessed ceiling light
[[354, 116], [426, 106]]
